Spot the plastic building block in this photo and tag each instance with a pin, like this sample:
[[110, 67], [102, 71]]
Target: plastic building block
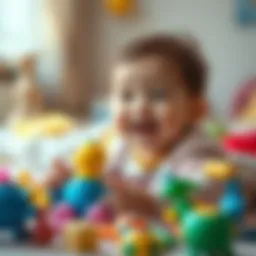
[[80, 237]]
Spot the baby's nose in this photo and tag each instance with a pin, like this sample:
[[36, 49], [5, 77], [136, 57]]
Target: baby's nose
[[141, 107]]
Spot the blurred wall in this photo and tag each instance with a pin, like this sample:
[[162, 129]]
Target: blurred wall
[[230, 48]]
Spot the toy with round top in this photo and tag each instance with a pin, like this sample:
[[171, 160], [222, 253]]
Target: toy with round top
[[140, 237], [233, 202], [205, 230], [86, 188], [80, 237], [15, 207], [139, 242]]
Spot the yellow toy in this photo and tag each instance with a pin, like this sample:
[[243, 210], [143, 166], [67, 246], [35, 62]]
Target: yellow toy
[[89, 160], [80, 237], [40, 197], [220, 170], [140, 243], [120, 7], [38, 192], [25, 180], [86, 187], [48, 125]]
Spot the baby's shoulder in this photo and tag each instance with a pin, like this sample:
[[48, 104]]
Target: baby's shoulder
[[198, 145]]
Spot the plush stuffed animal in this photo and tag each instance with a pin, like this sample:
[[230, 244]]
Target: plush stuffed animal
[[28, 100]]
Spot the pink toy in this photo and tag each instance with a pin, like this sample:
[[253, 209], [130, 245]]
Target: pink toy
[[242, 96], [4, 175], [101, 213], [61, 215]]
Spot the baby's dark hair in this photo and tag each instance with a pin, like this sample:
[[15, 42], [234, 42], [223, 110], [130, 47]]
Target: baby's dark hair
[[180, 51]]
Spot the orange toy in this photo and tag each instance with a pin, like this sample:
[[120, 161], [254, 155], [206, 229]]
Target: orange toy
[[120, 7], [107, 232]]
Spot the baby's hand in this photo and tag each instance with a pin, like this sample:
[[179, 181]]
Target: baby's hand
[[128, 197]]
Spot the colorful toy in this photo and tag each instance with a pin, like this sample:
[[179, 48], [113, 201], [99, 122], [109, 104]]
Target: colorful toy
[[40, 197], [60, 216], [86, 188], [233, 201], [107, 232], [244, 103], [139, 242], [243, 143], [140, 237], [15, 208], [120, 7], [4, 176], [101, 213], [205, 229], [42, 233], [25, 180], [80, 237]]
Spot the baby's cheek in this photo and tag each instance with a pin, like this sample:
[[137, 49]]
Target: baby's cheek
[[121, 121]]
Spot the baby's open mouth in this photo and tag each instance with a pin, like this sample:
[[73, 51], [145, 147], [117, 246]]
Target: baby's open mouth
[[147, 127]]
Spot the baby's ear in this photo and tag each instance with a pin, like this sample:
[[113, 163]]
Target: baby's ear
[[200, 108]]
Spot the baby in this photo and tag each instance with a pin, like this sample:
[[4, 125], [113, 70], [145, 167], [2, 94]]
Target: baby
[[158, 99]]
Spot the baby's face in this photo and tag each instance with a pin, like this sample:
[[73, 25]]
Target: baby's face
[[151, 107]]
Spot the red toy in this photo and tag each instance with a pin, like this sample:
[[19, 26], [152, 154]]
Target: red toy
[[42, 233], [242, 143]]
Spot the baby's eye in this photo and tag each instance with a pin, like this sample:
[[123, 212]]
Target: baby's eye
[[127, 96], [158, 94]]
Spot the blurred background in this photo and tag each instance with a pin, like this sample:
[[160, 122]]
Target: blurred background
[[55, 58], [74, 43]]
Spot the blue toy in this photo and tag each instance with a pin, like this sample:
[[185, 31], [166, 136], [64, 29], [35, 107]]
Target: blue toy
[[14, 209], [233, 202], [86, 188], [82, 194]]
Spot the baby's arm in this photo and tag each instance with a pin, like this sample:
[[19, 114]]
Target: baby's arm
[[128, 197]]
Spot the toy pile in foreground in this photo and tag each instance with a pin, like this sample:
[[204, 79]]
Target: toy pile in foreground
[[78, 216], [206, 229]]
